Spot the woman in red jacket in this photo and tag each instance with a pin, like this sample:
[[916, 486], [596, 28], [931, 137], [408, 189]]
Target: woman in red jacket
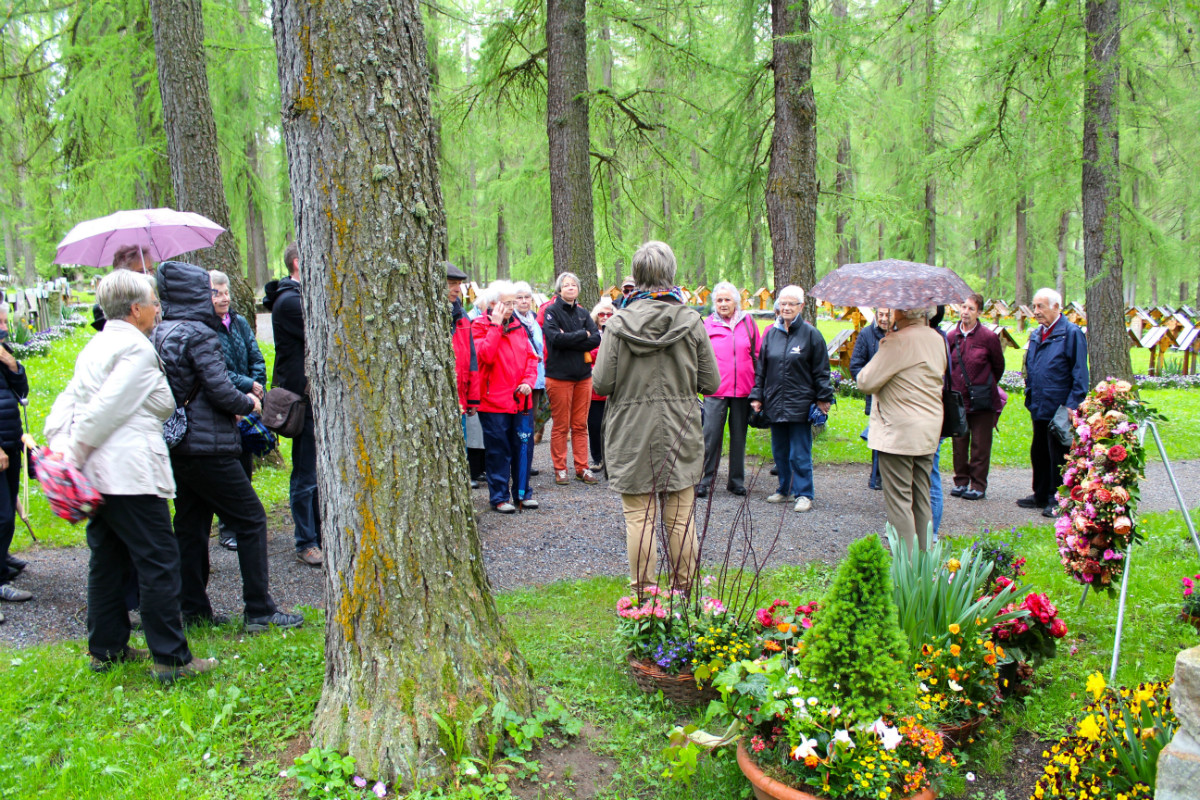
[[507, 372]]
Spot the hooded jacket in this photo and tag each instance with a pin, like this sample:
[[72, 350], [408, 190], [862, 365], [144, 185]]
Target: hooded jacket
[[735, 344], [654, 359], [287, 322], [570, 333], [188, 342], [506, 360], [16, 387], [243, 358], [793, 372], [466, 364], [1056, 370]]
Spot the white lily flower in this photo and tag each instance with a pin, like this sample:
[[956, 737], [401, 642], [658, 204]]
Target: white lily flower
[[806, 748], [844, 737], [953, 684]]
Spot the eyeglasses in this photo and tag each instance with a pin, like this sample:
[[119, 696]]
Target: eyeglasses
[[626, 290], [787, 304], [604, 314]]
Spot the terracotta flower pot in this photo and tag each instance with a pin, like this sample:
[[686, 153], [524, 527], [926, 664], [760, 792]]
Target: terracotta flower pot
[[766, 788]]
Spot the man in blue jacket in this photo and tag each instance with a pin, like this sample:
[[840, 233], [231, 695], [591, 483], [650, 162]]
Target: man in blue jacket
[[1056, 374]]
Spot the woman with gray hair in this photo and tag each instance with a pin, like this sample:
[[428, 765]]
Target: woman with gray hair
[[108, 423], [735, 341], [792, 378], [571, 336], [245, 363], [654, 359], [906, 378]]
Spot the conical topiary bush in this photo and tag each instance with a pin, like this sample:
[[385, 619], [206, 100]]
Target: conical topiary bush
[[855, 652]]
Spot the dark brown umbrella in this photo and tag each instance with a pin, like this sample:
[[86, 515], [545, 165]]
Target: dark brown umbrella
[[891, 284]]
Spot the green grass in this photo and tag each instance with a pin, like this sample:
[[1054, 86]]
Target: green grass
[[120, 736]]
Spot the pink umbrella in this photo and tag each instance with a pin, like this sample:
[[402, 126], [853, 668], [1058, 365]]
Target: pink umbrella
[[163, 231]]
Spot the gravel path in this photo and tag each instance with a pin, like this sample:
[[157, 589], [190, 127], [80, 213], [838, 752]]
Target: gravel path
[[577, 533]]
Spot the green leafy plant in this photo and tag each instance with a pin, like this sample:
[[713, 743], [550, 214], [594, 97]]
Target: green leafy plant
[[855, 653], [324, 773]]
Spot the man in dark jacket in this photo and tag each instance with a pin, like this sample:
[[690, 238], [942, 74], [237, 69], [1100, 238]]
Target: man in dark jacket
[[14, 387], [287, 320], [1056, 374], [865, 347], [208, 477]]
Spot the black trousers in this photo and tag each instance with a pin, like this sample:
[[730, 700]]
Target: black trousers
[[716, 411], [596, 430], [1047, 457], [134, 531], [207, 485], [10, 484], [247, 462]]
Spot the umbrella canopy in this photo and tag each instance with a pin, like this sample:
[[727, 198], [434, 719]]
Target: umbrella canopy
[[163, 231], [891, 284]]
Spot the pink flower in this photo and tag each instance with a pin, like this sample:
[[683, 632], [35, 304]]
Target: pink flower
[[807, 623], [379, 789], [764, 618], [360, 781], [1109, 555]]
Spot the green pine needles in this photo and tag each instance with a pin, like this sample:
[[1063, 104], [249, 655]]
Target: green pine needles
[[855, 653]]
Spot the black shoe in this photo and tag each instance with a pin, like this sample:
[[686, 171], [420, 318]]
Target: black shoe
[[960, 491], [279, 619], [972, 494], [474, 484], [701, 491], [228, 542], [774, 470], [740, 491], [878, 487], [1030, 502], [535, 472], [1050, 510], [17, 564], [215, 621]]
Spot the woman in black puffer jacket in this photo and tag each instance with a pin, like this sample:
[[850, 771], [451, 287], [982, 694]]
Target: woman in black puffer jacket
[[209, 478], [14, 386]]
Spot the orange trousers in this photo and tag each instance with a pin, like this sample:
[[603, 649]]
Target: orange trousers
[[569, 404]]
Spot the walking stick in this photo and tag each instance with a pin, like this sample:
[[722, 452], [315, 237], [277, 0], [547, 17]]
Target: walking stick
[[22, 506]]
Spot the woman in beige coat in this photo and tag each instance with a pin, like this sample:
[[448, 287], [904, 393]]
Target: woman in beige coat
[[905, 377], [654, 359]]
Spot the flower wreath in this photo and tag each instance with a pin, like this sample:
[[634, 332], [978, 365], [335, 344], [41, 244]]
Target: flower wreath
[[1098, 499]]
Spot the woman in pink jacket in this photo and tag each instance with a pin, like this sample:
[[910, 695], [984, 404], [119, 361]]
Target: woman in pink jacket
[[735, 341]]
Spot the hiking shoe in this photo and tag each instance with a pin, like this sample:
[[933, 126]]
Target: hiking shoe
[[587, 476], [779, 497], [12, 595], [740, 491], [17, 565], [958, 491], [505, 508], [214, 620], [228, 542], [530, 503], [560, 477], [972, 494], [169, 673], [774, 470], [101, 665], [280, 619], [1030, 502], [701, 492], [311, 556], [803, 504], [597, 467]]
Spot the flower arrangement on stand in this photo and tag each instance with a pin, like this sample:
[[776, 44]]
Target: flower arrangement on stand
[[1098, 499], [1190, 612], [1113, 752], [1028, 642]]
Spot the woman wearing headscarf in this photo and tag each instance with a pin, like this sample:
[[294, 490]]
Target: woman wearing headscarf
[[735, 341]]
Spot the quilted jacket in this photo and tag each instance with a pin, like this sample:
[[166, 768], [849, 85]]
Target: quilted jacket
[[188, 342]]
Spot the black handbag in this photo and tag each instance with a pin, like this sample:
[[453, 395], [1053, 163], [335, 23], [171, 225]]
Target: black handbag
[[979, 398], [175, 427], [954, 413], [758, 419]]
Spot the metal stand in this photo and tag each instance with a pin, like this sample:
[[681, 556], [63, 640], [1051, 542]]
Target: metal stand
[[1187, 520]]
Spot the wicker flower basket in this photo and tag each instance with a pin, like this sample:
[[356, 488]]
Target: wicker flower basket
[[767, 788], [958, 734], [679, 688]]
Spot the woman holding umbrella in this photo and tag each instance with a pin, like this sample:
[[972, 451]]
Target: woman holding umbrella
[[508, 367]]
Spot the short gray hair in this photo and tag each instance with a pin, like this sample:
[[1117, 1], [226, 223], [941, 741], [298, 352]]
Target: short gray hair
[[217, 278], [558, 282], [522, 286], [915, 313], [654, 267], [1049, 295], [120, 289], [492, 293], [726, 286], [793, 291]]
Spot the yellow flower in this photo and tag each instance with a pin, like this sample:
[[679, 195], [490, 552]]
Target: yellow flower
[[953, 565], [1089, 729], [1096, 685], [955, 650], [955, 628]]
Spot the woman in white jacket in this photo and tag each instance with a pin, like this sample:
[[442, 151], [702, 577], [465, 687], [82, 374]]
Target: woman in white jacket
[[108, 423]]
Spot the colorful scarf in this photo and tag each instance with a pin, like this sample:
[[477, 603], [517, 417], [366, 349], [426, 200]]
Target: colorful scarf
[[675, 294]]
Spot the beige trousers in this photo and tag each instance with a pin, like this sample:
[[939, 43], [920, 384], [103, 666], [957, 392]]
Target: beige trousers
[[641, 517], [906, 495]]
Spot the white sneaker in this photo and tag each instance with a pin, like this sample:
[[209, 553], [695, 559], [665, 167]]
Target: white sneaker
[[802, 504], [779, 498], [530, 503], [506, 508]]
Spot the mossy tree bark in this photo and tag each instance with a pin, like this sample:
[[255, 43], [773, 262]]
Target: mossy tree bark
[[192, 136], [412, 629], [1108, 352], [792, 175]]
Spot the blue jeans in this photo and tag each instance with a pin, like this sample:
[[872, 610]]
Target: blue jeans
[[791, 445], [875, 480], [935, 491], [302, 491], [503, 457]]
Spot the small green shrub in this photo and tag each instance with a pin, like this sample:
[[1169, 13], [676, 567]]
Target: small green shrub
[[323, 773], [855, 650]]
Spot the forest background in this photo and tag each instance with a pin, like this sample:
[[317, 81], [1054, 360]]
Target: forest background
[[947, 132]]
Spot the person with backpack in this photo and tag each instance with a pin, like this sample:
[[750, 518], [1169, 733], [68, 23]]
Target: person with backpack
[[736, 342]]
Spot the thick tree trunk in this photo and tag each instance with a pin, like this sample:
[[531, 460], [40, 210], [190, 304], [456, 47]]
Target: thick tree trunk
[[258, 271], [10, 255], [192, 136], [930, 122], [567, 130], [153, 186], [792, 175], [843, 179], [1022, 295], [411, 629], [1060, 272], [616, 231], [1108, 352], [758, 258]]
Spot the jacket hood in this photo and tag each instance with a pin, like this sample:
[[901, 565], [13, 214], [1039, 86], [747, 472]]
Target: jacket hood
[[652, 325], [186, 293], [275, 289]]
